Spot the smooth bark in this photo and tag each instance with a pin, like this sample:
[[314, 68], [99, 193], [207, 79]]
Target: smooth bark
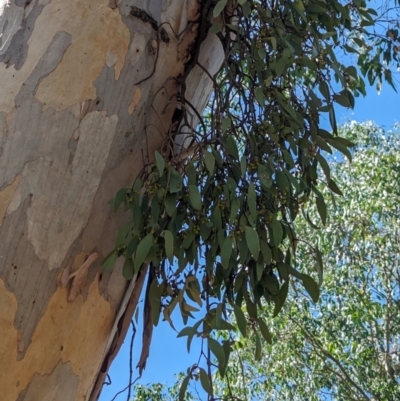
[[86, 90]]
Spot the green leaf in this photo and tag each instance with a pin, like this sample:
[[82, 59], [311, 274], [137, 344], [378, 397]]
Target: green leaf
[[216, 348], [205, 381], [109, 261], [283, 269], [341, 99], [341, 148], [334, 188], [243, 165], [128, 269], [311, 287], [218, 316], [257, 355], [266, 252], [182, 390], [277, 231], [243, 250], [321, 206], [319, 266], [119, 198], [226, 123], [169, 245], [235, 205], [191, 173], [282, 181], [137, 217], [252, 199], [325, 166], [232, 147], [321, 142], [332, 119], [124, 234], [187, 331], [219, 7], [142, 250], [170, 204], [240, 319], [131, 248], [264, 330], [160, 163], [215, 28], [264, 175], [259, 270], [226, 251], [253, 242], [209, 160], [155, 209], [259, 94], [193, 289], [273, 42], [227, 351], [251, 308], [314, 8], [189, 238], [190, 336], [283, 291], [216, 218], [194, 196], [352, 71], [175, 181], [205, 232], [324, 89]]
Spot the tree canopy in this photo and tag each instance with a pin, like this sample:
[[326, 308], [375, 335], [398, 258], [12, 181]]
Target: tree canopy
[[213, 219]]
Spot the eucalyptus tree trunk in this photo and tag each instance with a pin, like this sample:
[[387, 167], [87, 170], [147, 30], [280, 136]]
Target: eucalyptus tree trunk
[[87, 95]]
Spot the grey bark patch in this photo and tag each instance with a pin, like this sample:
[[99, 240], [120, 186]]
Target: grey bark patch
[[18, 260], [18, 50], [60, 384], [23, 3], [47, 64], [72, 144]]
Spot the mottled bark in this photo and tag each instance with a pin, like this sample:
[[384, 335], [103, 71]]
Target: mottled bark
[[77, 117]]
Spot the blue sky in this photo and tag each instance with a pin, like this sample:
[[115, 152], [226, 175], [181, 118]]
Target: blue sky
[[168, 355]]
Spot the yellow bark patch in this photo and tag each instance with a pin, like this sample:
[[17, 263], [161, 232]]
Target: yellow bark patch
[[135, 99], [94, 35], [95, 29], [67, 332], [6, 196]]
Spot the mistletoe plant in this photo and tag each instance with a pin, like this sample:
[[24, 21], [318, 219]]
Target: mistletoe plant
[[214, 222]]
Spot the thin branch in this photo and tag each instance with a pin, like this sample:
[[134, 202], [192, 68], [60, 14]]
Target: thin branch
[[332, 358], [131, 360]]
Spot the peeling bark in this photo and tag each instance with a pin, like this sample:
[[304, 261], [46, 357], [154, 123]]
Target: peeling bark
[[86, 89]]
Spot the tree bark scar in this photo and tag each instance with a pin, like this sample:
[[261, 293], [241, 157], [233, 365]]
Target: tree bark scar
[[79, 277], [122, 326], [147, 324], [202, 34], [144, 16], [148, 19]]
